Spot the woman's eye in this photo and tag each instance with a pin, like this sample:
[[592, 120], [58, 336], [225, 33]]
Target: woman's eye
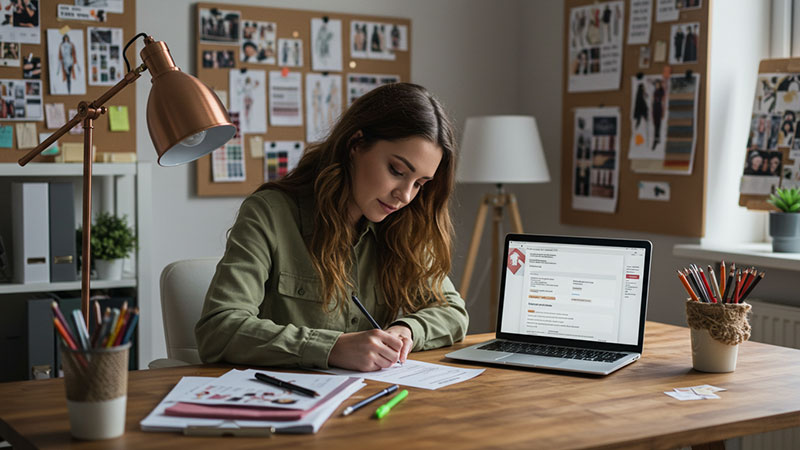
[[394, 171]]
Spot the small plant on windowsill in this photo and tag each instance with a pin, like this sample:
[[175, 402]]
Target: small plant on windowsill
[[784, 225], [112, 241]]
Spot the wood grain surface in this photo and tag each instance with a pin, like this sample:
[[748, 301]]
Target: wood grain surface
[[501, 408]]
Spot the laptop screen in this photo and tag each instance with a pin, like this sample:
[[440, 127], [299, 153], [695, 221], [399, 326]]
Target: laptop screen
[[574, 291]]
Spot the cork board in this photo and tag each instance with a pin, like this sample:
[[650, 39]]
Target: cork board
[[103, 138], [788, 66], [683, 214], [293, 24]]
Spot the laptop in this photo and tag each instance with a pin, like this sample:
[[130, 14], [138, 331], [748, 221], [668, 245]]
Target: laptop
[[569, 303]]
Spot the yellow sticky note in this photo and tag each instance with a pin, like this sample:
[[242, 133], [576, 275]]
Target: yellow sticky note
[[118, 118], [257, 147], [26, 135]]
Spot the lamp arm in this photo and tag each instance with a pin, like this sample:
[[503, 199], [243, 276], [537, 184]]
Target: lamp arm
[[83, 112]]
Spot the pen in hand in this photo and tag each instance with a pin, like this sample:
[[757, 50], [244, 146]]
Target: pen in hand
[[368, 315]]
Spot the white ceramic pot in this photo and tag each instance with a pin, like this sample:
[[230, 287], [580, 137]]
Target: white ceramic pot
[[108, 269]]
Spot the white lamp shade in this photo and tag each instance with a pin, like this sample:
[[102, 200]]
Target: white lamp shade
[[502, 149]]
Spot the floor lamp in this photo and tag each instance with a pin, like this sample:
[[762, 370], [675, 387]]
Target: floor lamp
[[185, 118], [498, 150]]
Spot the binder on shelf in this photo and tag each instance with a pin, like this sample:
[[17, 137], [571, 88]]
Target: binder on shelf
[[30, 223], [41, 339], [63, 256]]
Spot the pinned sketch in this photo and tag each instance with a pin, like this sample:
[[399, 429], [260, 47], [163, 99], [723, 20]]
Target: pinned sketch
[[55, 115], [323, 104], [258, 42], [398, 38], [9, 54], [358, 39], [290, 52], [249, 99], [32, 67], [227, 162], [378, 42], [326, 45], [19, 21], [596, 159], [21, 100], [359, 84], [595, 46], [684, 38], [219, 59], [649, 114], [654, 190], [681, 129], [280, 157], [66, 60], [670, 10], [105, 56], [218, 26], [285, 99], [112, 6], [640, 24]]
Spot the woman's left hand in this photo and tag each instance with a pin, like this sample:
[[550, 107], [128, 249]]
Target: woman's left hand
[[404, 333]]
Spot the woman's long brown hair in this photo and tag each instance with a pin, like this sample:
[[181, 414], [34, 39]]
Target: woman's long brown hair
[[414, 243]]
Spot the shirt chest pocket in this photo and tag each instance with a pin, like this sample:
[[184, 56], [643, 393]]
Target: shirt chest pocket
[[300, 301]]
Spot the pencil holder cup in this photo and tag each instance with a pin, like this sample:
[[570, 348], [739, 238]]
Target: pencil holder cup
[[717, 329], [96, 381]]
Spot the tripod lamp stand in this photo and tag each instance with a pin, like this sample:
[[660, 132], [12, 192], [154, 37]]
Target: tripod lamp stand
[[185, 118], [498, 150]]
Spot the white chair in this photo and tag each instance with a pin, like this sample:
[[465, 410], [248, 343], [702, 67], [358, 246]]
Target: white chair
[[183, 288]]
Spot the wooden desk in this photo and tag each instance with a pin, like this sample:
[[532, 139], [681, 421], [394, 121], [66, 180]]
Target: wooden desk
[[500, 408]]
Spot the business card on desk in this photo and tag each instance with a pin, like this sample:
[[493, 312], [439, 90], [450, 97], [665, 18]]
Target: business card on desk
[[702, 392]]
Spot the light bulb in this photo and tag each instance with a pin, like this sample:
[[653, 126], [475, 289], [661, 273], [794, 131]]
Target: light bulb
[[194, 139]]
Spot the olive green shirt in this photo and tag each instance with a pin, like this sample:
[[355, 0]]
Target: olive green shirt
[[264, 307]]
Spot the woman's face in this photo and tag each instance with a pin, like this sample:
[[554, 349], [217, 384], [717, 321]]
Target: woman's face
[[755, 163], [387, 176], [774, 163]]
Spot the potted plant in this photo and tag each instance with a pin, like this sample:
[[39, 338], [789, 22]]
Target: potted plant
[[784, 225], [112, 241]]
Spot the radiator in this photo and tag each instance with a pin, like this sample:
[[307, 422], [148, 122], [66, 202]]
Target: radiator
[[777, 325]]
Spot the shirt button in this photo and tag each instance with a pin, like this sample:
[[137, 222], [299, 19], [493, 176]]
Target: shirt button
[[353, 320], [301, 291]]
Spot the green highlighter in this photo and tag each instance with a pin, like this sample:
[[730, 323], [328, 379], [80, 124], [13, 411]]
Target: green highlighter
[[386, 407]]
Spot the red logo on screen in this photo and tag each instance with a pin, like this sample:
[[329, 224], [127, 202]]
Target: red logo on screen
[[515, 260]]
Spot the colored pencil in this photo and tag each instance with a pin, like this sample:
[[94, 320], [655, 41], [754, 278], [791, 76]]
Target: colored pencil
[[687, 287], [753, 285]]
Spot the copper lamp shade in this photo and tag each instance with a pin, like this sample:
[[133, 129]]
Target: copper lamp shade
[[185, 118]]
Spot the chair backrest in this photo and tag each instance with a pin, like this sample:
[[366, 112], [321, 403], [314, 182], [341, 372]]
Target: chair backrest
[[183, 289]]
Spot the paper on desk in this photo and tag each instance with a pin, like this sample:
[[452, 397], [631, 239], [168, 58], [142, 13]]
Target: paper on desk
[[415, 374], [240, 388], [311, 423], [702, 392]]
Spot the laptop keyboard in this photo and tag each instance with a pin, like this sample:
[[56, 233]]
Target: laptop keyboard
[[553, 351]]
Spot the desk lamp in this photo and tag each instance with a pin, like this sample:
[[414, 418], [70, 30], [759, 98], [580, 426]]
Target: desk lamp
[[185, 118], [498, 150]]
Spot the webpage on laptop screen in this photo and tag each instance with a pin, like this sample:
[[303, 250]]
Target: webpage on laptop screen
[[572, 291]]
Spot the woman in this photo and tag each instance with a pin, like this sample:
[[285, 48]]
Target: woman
[[364, 214]]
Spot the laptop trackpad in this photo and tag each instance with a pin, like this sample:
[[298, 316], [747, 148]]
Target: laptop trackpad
[[534, 360]]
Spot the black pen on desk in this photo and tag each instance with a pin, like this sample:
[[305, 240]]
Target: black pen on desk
[[365, 312], [285, 384], [351, 409]]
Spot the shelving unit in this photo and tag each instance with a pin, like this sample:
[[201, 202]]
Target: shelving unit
[[119, 188]]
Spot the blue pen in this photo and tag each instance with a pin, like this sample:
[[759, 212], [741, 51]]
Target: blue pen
[[129, 331]]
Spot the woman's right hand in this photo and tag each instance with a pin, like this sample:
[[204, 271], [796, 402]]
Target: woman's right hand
[[366, 351]]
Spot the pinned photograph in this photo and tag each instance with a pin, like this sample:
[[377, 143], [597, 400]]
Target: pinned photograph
[[787, 131], [220, 59], [219, 26], [32, 68], [19, 21], [596, 162], [398, 38], [788, 93], [257, 44], [9, 54], [66, 61], [248, 93], [595, 46], [21, 99], [766, 99], [326, 45], [378, 44], [684, 38], [323, 104], [759, 132], [105, 61], [290, 52], [358, 39]]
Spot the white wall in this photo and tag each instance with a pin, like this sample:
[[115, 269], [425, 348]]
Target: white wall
[[465, 51]]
